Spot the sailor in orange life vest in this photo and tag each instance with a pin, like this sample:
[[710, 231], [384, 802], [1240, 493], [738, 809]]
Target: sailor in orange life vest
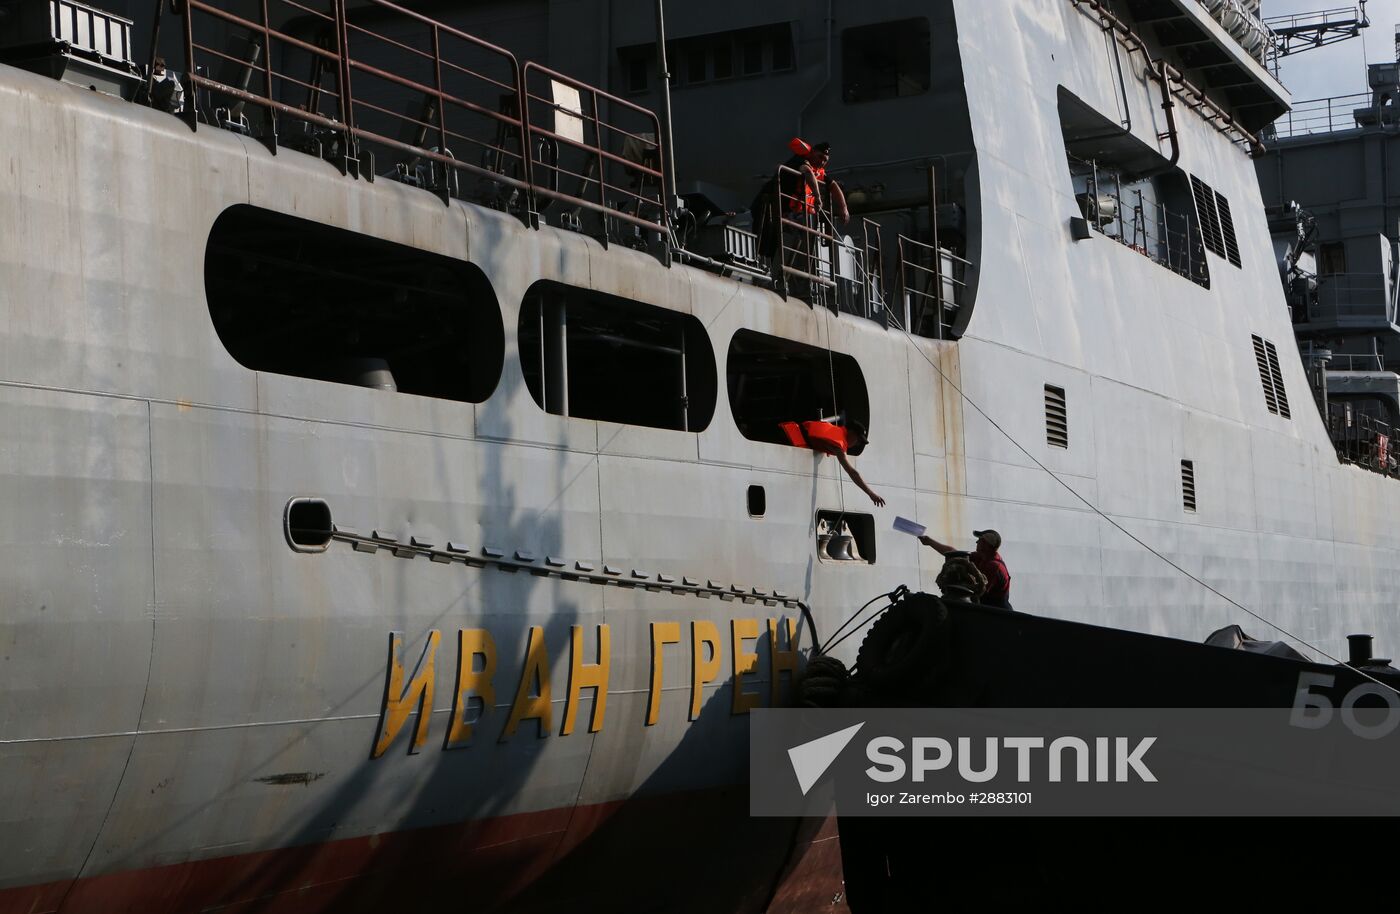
[[836, 440], [808, 198], [988, 561]]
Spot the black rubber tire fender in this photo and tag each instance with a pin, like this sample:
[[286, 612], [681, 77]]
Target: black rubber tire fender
[[901, 649]]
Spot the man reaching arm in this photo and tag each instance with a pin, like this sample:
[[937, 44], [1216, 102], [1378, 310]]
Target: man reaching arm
[[988, 561]]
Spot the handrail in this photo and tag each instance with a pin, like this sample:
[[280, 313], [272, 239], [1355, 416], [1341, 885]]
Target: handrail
[[445, 89], [924, 284], [549, 139], [598, 160], [1321, 115], [794, 215], [1362, 440]]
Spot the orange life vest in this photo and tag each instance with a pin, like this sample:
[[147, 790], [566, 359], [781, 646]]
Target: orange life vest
[[806, 198], [804, 434]]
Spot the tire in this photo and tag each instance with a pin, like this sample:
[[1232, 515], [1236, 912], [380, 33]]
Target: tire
[[823, 692], [900, 652], [827, 667]]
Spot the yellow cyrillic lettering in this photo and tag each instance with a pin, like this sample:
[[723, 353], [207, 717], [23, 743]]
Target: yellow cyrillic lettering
[[526, 706], [399, 702], [662, 634], [702, 633], [780, 660], [471, 644], [588, 675], [744, 662]]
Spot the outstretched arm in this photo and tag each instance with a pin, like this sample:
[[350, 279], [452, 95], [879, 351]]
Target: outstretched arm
[[930, 541], [855, 477]]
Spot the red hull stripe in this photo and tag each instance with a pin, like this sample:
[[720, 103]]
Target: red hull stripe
[[681, 852]]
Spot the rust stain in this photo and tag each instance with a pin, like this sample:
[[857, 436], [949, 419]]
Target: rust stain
[[183, 405], [292, 777]]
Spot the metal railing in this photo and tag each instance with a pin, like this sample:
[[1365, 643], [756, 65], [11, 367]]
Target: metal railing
[[1351, 296], [805, 240], [1321, 115], [602, 158], [1348, 361], [1362, 440], [813, 262], [932, 282], [383, 80], [1147, 226]]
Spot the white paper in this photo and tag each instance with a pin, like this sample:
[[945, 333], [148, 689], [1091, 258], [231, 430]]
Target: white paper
[[905, 525]]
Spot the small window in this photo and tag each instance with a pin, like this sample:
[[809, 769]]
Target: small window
[[887, 60], [772, 380], [1271, 376], [695, 66], [758, 501], [1056, 419], [293, 297], [724, 60], [752, 51], [1331, 258], [594, 356], [1188, 486], [782, 52], [637, 70]]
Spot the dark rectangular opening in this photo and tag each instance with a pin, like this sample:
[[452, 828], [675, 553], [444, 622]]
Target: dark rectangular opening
[[594, 356], [772, 380], [845, 537], [294, 297], [885, 60], [758, 501]]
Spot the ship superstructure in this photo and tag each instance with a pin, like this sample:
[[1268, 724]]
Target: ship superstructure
[[394, 499]]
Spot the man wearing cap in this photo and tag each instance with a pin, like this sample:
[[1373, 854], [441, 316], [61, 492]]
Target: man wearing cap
[[805, 188], [988, 561]]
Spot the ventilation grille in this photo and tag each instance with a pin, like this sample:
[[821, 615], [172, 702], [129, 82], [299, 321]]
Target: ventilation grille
[[1217, 223], [1056, 421], [1271, 376], [1205, 212], [1188, 485], [1227, 228]]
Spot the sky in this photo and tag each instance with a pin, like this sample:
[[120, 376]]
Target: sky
[[1341, 68]]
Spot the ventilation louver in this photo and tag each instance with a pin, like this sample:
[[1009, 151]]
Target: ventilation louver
[[1188, 485], [1227, 229], [1206, 213], [1056, 420], [1217, 222], [1271, 376]]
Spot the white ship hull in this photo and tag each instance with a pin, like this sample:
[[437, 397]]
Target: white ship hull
[[184, 695]]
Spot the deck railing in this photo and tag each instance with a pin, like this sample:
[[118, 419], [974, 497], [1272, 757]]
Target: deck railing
[[1363, 440], [1165, 236], [383, 80], [1321, 115], [932, 286], [380, 80]]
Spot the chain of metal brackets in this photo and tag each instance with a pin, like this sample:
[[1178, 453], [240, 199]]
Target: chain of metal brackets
[[554, 566]]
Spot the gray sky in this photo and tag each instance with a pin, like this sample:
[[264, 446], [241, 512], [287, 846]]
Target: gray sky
[[1341, 68]]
